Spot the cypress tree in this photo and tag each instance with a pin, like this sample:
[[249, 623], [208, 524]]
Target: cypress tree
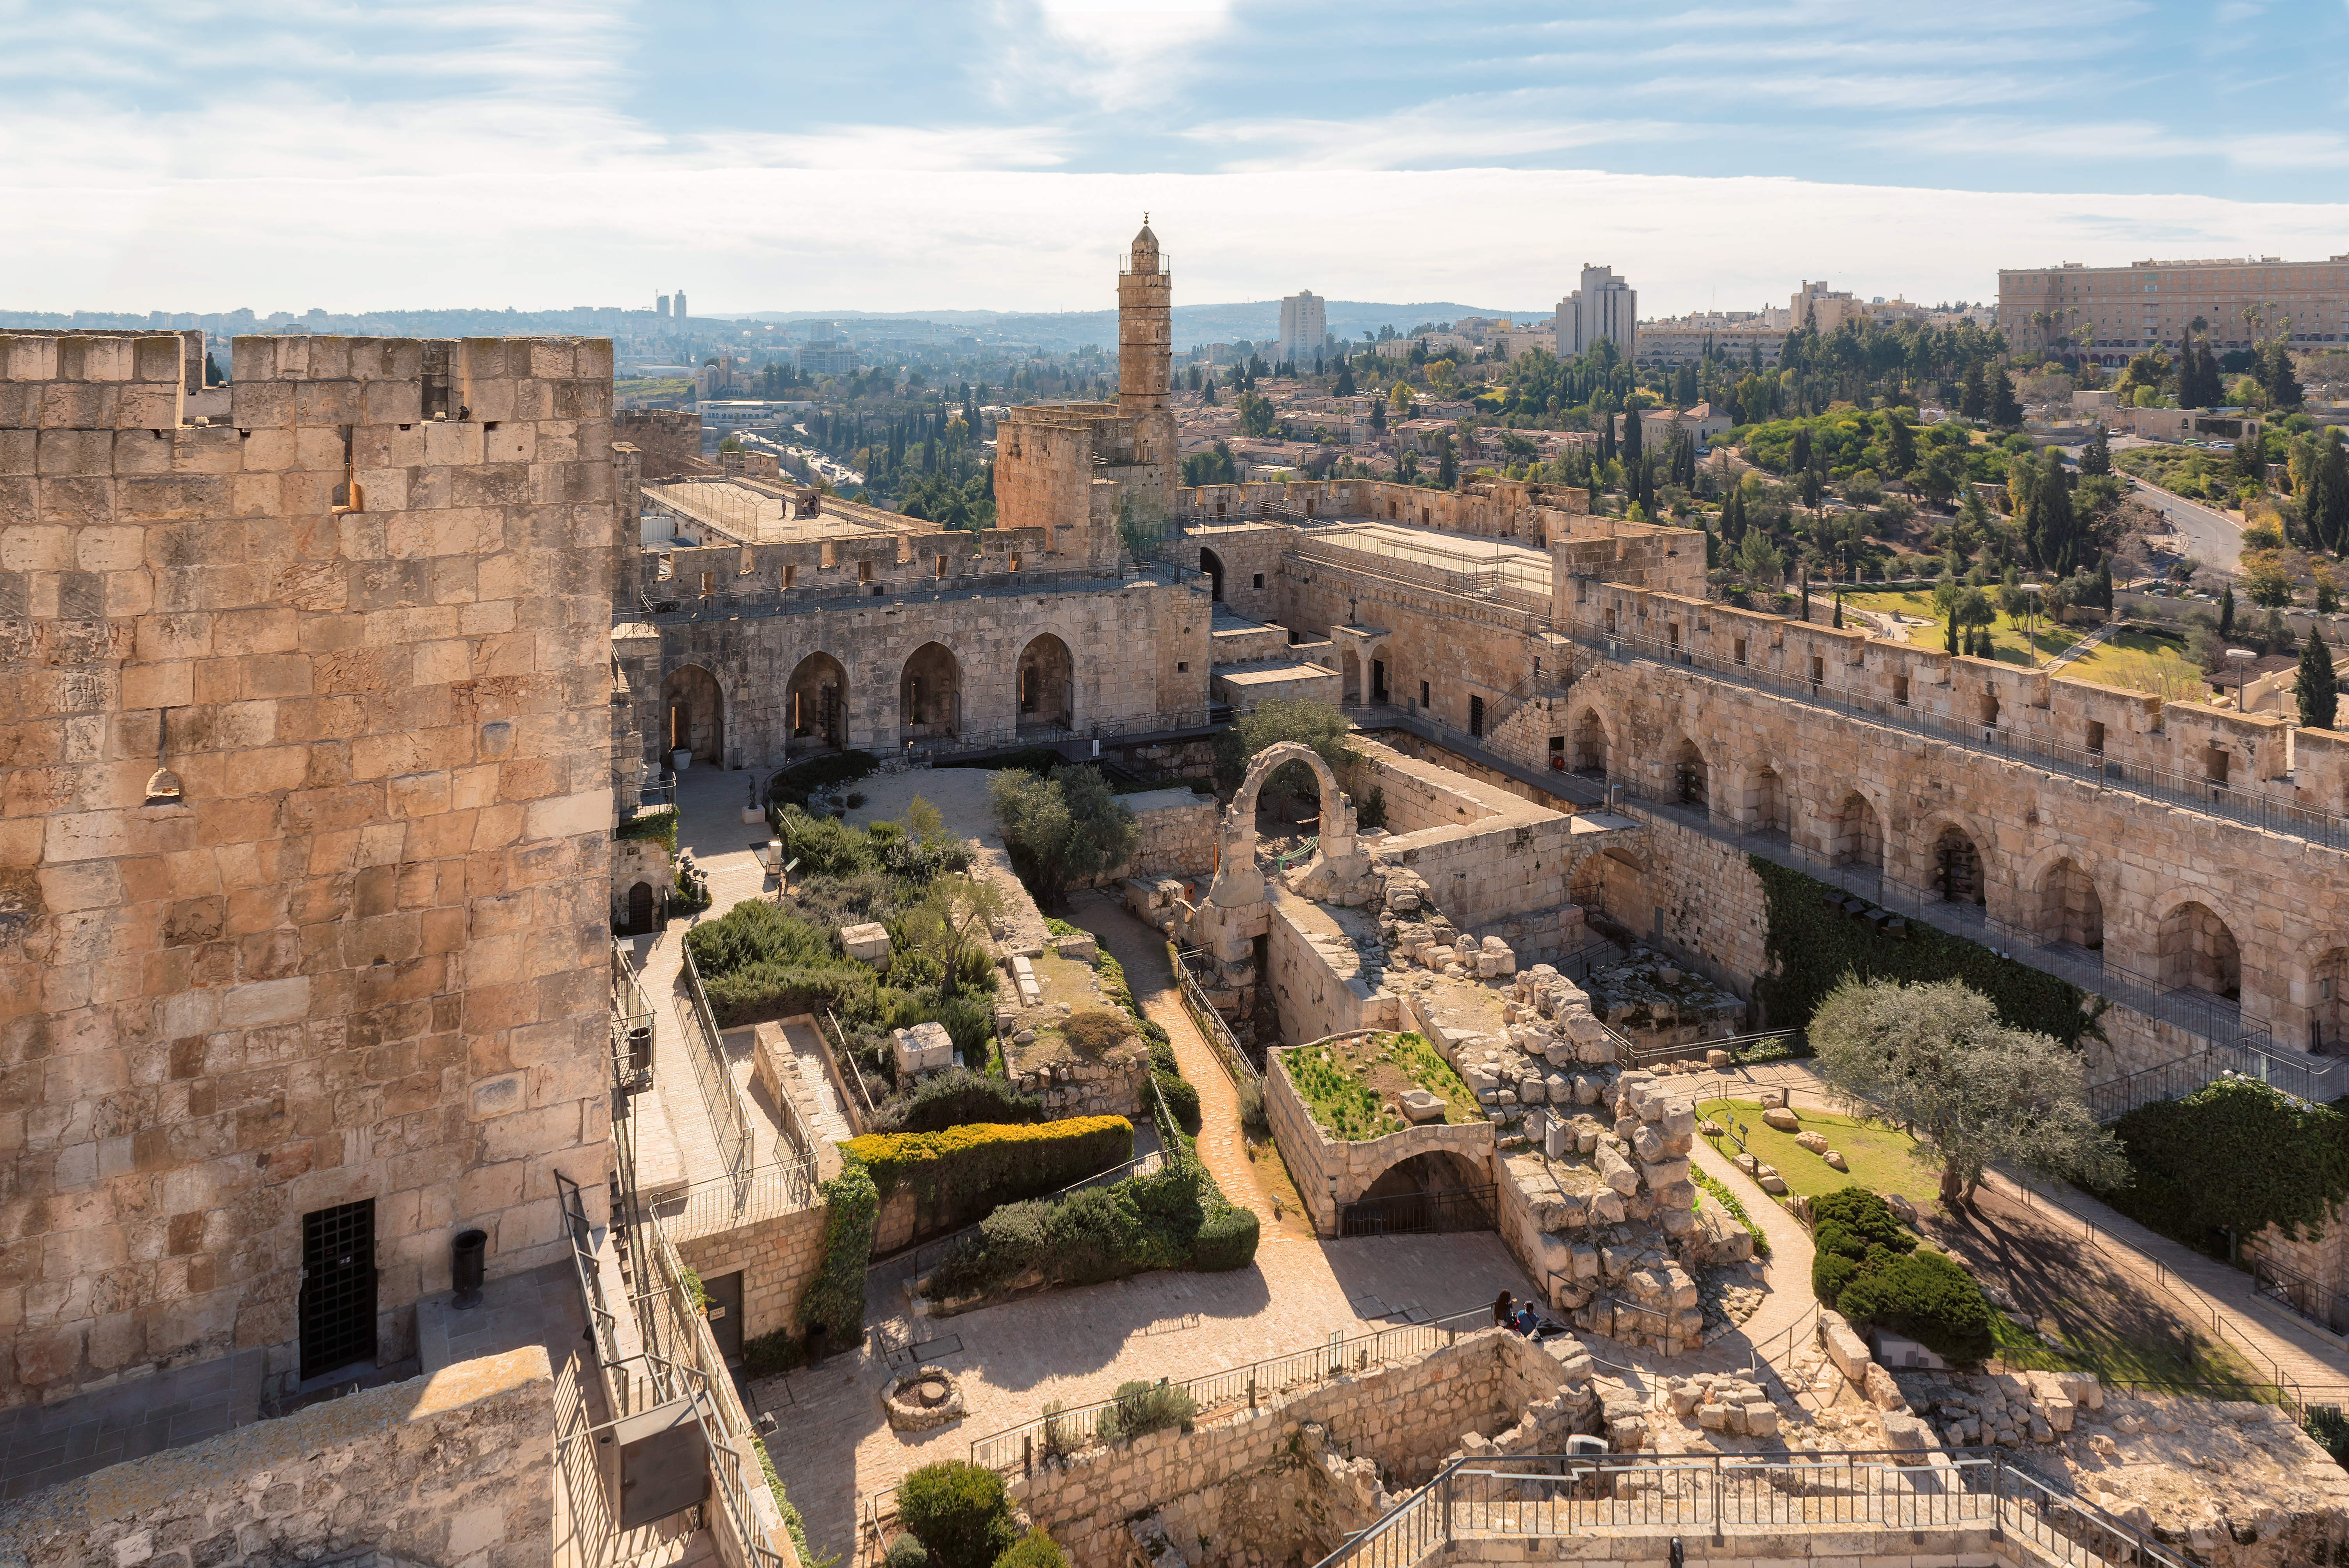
[[2227, 613], [2004, 408], [2316, 686]]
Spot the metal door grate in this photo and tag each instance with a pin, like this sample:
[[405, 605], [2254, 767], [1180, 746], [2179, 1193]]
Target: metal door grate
[[337, 1287]]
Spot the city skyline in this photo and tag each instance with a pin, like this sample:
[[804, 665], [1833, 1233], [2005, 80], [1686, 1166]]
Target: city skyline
[[200, 161]]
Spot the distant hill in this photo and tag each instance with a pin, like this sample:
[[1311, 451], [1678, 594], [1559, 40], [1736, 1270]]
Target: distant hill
[[1254, 320]]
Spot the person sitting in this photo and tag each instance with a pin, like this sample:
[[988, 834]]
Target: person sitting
[[1500, 1309], [1527, 1320]]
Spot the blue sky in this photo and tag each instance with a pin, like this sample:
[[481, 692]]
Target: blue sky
[[896, 156]]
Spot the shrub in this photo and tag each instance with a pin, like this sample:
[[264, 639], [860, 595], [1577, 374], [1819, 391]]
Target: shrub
[[957, 1098], [1864, 1216], [1251, 1098], [1830, 1272], [659, 827], [1033, 1550], [1182, 1098], [759, 961], [1142, 1407], [1925, 1295], [768, 1354], [827, 847], [958, 1510], [1226, 1240], [1095, 1029], [963, 1172], [793, 785], [906, 1553], [1061, 830]]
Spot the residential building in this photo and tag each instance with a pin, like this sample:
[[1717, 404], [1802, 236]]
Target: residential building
[[1304, 327], [2113, 313], [1817, 304], [1704, 421], [1735, 335], [1603, 307]]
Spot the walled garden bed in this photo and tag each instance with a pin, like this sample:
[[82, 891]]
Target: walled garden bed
[[1353, 1086]]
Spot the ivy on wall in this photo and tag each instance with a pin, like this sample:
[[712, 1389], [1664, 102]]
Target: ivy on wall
[[835, 1301], [1810, 946]]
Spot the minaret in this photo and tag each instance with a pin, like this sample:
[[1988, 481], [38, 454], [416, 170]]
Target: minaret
[[1145, 368]]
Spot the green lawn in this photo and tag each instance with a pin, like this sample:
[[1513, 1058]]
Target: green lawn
[[2008, 644], [1878, 1155], [2145, 661], [2212, 1369]]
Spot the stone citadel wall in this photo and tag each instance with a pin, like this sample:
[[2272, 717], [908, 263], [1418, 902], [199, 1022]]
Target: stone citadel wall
[[303, 869]]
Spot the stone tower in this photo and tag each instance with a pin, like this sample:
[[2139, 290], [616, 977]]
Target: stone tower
[[1145, 367]]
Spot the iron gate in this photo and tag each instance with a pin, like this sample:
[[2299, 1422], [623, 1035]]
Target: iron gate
[[1421, 1213]]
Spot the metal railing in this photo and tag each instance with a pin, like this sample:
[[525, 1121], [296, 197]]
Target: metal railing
[[632, 1026], [837, 1046], [1770, 1045], [2318, 1079], [2251, 808], [727, 1202], [1422, 1213], [918, 1260], [729, 1124], [2298, 1294], [1211, 1023], [1559, 1495], [1258, 1385]]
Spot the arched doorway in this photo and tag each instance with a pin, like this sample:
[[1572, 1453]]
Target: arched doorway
[[1686, 775], [2328, 1015], [1765, 800], [2199, 953], [693, 716], [1957, 867], [1589, 744], [640, 909], [1426, 1193], [1047, 675], [815, 705], [1212, 565], [2070, 910], [1856, 836], [1381, 677], [929, 695]]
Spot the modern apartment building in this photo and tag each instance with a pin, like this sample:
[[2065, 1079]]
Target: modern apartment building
[[1603, 307], [1737, 334], [2112, 312], [1304, 325]]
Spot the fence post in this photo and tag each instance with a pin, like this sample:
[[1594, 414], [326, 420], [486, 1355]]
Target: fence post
[[1447, 1479], [1028, 1454]]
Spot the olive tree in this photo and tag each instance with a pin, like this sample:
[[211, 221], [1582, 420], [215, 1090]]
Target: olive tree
[[1935, 1058], [1061, 830]]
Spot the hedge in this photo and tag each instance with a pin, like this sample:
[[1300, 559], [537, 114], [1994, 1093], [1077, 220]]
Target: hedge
[[1181, 1094], [1034, 1550], [958, 1174], [1810, 947], [2234, 1156]]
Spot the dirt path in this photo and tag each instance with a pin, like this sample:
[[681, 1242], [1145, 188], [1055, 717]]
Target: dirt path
[[1223, 1145]]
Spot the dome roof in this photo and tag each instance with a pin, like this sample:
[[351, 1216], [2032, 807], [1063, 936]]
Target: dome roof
[[1145, 241]]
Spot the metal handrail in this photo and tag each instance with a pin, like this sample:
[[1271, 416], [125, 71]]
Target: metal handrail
[[1256, 1384], [1210, 1023], [1530, 1496], [729, 1124]]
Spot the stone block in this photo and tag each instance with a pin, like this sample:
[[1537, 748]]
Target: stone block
[[868, 944], [1782, 1118], [1846, 1349], [1908, 1434], [1882, 1392], [1761, 1419], [924, 1049]]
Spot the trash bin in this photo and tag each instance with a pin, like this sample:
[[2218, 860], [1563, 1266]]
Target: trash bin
[[467, 1260]]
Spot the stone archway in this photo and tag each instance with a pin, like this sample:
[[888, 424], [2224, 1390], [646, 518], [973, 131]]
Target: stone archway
[[1047, 685], [693, 716], [1588, 744], [2070, 909], [1958, 873], [1237, 879], [1435, 1190], [815, 705], [929, 695], [1687, 779], [2199, 952], [1212, 565], [1856, 834]]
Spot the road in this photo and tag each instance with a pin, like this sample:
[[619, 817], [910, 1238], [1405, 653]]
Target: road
[[2211, 537]]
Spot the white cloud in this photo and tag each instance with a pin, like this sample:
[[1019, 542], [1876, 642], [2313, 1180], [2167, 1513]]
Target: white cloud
[[1117, 54]]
